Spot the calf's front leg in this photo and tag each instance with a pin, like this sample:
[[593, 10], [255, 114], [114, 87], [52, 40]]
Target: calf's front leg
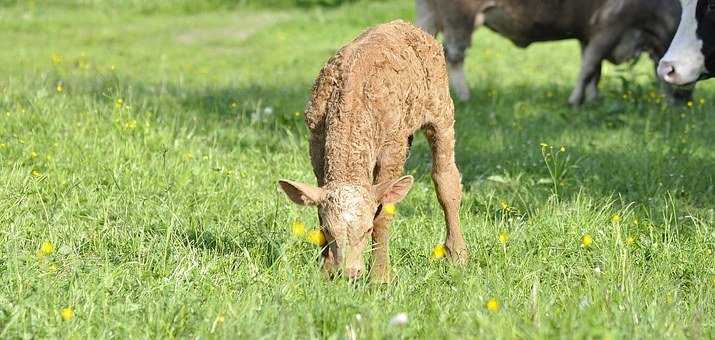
[[390, 167], [381, 270]]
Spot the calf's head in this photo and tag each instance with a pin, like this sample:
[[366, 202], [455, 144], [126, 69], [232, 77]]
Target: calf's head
[[346, 214], [691, 55]]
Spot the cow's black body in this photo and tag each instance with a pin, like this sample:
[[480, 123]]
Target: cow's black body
[[705, 16], [614, 30]]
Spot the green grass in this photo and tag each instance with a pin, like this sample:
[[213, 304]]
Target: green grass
[[167, 222]]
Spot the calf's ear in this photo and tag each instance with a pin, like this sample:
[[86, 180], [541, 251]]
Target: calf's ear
[[301, 193], [393, 191]]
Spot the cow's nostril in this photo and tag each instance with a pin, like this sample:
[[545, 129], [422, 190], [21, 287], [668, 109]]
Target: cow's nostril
[[666, 70], [670, 70]]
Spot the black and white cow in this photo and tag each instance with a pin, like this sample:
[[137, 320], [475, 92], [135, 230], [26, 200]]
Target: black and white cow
[[614, 30], [691, 55]]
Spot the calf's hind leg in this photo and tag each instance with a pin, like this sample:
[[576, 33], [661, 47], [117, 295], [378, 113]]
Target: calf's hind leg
[[447, 182]]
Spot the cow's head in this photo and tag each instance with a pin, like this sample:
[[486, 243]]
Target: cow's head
[[691, 55], [346, 214]]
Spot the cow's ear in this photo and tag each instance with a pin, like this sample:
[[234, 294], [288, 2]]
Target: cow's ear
[[301, 193], [393, 191]]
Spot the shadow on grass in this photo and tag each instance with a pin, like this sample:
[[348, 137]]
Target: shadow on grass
[[498, 133], [209, 241]]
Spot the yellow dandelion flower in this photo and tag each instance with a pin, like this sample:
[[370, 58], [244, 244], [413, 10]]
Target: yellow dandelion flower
[[297, 113], [297, 229], [504, 205], [503, 237], [35, 173], [119, 103], [46, 248], [690, 104], [586, 241], [562, 149], [56, 58], [616, 218], [390, 209], [234, 105], [630, 240], [2, 146], [67, 313], [60, 88], [492, 305], [33, 155], [130, 124], [316, 237], [702, 102], [439, 251]]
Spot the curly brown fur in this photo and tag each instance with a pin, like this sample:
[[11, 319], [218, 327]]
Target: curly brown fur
[[367, 102]]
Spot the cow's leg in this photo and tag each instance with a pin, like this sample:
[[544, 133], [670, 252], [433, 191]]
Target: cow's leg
[[592, 57], [426, 16], [447, 182], [592, 86], [390, 167], [458, 29]]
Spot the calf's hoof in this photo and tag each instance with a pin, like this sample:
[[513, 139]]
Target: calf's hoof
[[383, 276], [458, 252], [330, 268]]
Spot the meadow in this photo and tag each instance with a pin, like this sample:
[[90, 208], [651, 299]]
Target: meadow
[[140, 149]]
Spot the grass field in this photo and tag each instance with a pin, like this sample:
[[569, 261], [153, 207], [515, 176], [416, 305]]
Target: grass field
[[143, 148]]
